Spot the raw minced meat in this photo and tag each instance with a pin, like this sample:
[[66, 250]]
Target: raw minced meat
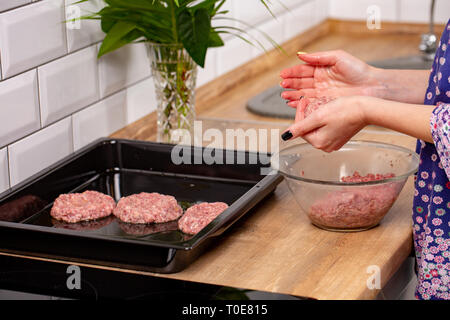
[[199, 216], [356, 177], [76, 207], [315, 104], [145, 208], [355, 207]]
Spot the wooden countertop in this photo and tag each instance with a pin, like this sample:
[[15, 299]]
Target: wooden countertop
[[275, 248]]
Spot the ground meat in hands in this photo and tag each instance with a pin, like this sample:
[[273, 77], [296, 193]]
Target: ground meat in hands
[[315, 104]]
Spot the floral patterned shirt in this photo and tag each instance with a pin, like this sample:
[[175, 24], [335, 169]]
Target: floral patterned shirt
[[431, 211]]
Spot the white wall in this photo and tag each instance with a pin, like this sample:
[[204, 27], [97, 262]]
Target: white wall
[[295, 17], [56, 97], [418, 10], [391, 10]]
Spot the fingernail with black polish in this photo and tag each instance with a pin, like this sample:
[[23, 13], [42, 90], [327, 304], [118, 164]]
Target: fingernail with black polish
[[287, 135]]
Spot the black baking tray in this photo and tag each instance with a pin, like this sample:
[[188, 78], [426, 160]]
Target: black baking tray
[[121, 168]]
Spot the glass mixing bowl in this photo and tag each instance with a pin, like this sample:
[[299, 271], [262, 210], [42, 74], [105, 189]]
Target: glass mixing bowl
[[315, 177]]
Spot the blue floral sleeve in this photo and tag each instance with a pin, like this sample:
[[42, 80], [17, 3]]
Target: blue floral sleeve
[[440, 131], [431, 213]]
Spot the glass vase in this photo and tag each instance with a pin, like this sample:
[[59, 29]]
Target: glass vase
[[174, 74]]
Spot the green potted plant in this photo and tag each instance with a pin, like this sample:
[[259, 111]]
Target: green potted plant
[[178, 34]]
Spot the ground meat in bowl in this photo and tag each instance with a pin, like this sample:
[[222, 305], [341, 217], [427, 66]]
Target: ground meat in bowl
[[199, 216], [76, 207], [357, 177], [145, 208], [355, 207]]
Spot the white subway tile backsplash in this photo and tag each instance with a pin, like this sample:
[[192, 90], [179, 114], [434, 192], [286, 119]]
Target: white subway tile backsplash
[[252, 12], [82, 33], [283, 6], [209, 72], [99, 120], [9, 4], [141, 100], [68, 84], [235, 53], [40, 150], [357, 10], [419, 11], [31, 35], [300, 19], [321, 12], [4, 175], [229, 6], [123, 67], [273, 29], [19, 107]]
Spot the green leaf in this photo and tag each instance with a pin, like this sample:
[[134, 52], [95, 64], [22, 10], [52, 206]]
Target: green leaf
[[107, 23], [186, 22], [133, 4], [215, 40], [205, 4], [115, 38], [194, 31]]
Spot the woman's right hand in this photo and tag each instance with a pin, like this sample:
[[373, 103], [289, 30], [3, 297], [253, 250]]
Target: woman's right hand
[[329, 74]]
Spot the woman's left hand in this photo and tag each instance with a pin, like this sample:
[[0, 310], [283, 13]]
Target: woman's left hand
[[332, 125]]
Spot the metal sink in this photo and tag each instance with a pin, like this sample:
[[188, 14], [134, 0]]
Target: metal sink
[[411, 62]]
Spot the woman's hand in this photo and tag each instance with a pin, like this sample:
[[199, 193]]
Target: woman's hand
[[335, 74], [329, 74], [332, 125]]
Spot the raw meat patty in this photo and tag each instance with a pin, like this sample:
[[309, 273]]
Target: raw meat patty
[[76, 207], [84, 225], [199, 216], [148, 208], [146, 229], [355, 207], [314, 104]]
